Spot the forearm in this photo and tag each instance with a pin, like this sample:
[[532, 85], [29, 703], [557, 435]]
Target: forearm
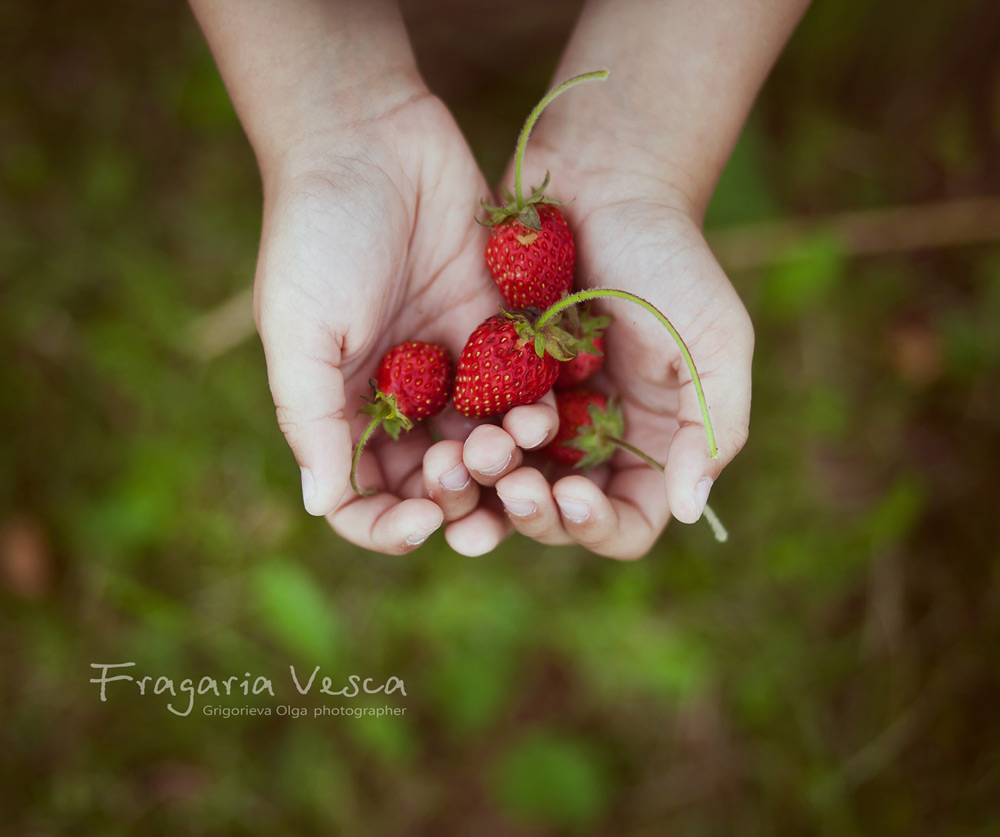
[[296, 69], [684, 74]]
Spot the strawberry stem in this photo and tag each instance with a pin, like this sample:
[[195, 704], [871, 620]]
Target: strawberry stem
[[718, 530], [373, 425], [612, 293], [529, 123]]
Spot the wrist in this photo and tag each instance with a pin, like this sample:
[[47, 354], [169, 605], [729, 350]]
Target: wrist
[[346, 120]]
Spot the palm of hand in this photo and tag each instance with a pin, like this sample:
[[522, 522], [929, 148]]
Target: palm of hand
[[357, 255]]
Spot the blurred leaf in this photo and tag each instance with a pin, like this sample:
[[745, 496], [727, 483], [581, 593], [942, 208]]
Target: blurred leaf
[[895, 516], [390, 739], [473, 687], [295, 611], [804, 278], [551, 779], [625, 650]]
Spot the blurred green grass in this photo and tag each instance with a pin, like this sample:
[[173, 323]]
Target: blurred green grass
[[832, 670]]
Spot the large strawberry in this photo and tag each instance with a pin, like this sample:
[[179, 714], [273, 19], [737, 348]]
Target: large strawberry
[[506, 363], [589, 429], [531, 256], [413, 382]]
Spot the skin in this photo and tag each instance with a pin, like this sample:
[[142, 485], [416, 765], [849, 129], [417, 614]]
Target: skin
[[368, 240], [641, 160]]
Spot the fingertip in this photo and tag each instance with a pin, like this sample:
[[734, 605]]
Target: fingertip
[[690, 473], [533, 425], [478, 533], [489, 453], [384, 523]]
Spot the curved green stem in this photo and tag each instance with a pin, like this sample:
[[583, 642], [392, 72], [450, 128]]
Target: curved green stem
[[716, 525], [529, 123], [612, 293], [373, 425], [645, 457]]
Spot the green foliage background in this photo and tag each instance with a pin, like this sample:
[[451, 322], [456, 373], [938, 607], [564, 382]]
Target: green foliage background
[[832, 670]]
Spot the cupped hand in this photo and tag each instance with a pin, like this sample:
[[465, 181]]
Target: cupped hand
[[640, 235], [369, 239]]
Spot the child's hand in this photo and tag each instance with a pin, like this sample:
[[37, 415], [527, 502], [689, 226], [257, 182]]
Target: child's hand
[[370, 240], [630, 237]]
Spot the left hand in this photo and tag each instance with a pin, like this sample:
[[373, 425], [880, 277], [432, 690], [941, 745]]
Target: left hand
[[640, 235]]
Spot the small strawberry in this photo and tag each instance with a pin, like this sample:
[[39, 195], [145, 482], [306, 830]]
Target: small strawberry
[[531, 256], [589, 429], [418, 375], [506, 362], [589, 330], [413, 382]]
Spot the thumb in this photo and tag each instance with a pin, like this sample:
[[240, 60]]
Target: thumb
[[308, 391], [725, 376]]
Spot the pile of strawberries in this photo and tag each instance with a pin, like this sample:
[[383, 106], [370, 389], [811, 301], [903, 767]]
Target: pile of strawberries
[[509, 360], [539, 342]]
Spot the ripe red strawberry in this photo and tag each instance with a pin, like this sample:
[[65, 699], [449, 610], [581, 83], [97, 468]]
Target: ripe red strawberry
[[418, 375], [533, 267], [588, 428], [502, 366], [589, 331], [413, 382], [576, 370]]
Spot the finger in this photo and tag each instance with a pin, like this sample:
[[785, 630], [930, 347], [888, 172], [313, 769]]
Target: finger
[[477, 533], [690, 470], [533, 425], [532, 511], [625, 522], [489, 453], [308, 391], [386, 524], [448, 482]]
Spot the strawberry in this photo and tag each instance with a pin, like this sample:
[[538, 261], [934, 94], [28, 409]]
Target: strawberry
[[589, 429], [589, 331], [576, 370], [413, 382], [531, 256], [505, 363], [418, 375]]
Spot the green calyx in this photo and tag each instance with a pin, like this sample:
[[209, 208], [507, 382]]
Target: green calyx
[[516, 205], [384, 410], [550, 339], [383, 406], [525, 211], [586, 327], [600, 438]]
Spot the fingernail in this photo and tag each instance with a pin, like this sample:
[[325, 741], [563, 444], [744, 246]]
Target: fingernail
[[701, 493], [518, 508], [308, 489], [456, 479], [418, 538], [496, 469], [541, 440], [574, 510]]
